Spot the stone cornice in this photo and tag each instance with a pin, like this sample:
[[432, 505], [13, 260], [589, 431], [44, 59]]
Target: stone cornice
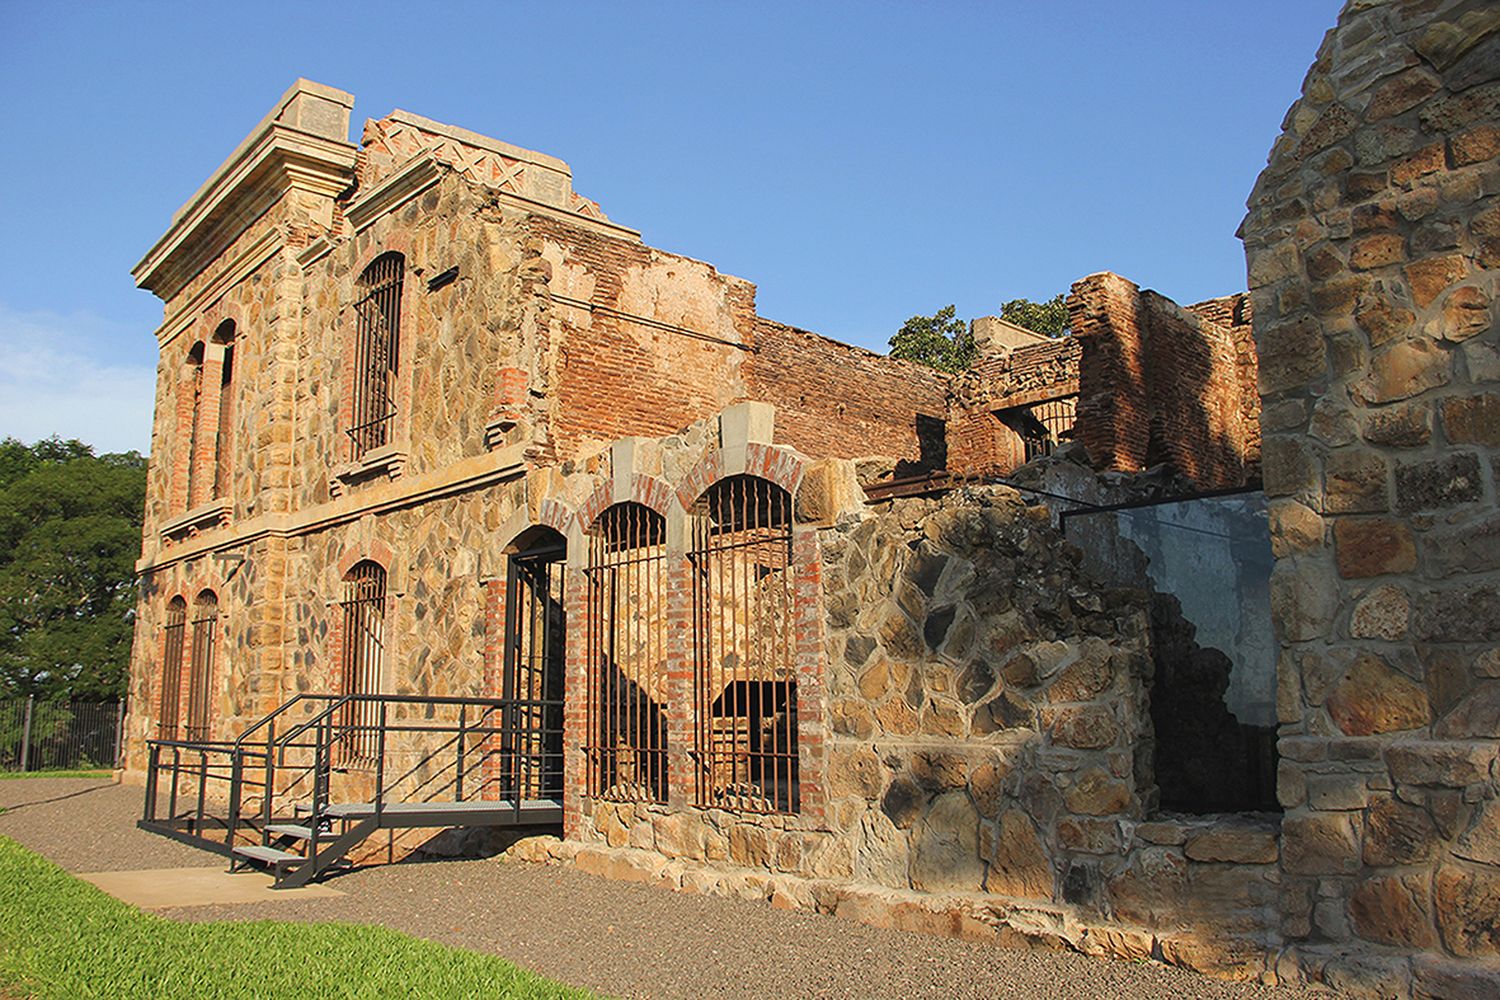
[[466, 474], [281, 158], [404, 183]]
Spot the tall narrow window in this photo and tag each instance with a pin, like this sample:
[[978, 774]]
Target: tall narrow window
[[224, 440], [626, 742], [201, 675], [364, 654], [376, 343], [744, 675], [171, 670], [531, 744], [195, 387]]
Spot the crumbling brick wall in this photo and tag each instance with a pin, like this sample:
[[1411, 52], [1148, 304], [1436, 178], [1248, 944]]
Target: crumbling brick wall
[[1159, 384], [837, 401], [1373, 246], [1235, 314], [978, 442]]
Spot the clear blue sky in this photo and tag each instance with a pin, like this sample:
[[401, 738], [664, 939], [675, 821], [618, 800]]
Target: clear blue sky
[[859, 162]]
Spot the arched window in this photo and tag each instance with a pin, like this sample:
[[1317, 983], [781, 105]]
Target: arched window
[[530, 763], [195, 387], [171, 670], [626, 735], [363, 658], [376, 343], [744, 674], [223, 472], [201, 675]]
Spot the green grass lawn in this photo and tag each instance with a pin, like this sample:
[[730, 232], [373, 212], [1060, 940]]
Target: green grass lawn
[[11, 775], [62, 938]]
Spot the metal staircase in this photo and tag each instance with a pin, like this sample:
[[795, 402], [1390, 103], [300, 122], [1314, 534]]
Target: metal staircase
[[304, 787]]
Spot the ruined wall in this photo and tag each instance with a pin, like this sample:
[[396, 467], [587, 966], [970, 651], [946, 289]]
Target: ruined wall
[[1158, 383], [978, 443], [663, 344], [991, 737], [1372, 243], [1234, 313], [837, 401]]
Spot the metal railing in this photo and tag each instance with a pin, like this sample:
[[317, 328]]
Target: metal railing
[[51, 735], [294, 765]]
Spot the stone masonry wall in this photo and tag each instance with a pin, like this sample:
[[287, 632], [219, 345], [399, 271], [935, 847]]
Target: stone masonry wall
[[1373, 242], [991, 739]]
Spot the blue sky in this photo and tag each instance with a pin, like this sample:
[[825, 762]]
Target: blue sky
[[859, 162]]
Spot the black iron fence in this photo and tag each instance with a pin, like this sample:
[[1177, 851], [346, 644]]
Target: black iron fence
[[50, 735]]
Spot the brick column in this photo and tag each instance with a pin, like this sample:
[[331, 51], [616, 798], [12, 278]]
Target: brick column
[[575, 704], [807, 625], [206, 425], [681, 696], [182, 450]]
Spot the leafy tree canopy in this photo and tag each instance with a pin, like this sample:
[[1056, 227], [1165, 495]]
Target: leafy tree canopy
[[1049, 318], [70, 529], [939, 341]]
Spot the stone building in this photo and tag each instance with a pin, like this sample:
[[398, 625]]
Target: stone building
[[775, 616]]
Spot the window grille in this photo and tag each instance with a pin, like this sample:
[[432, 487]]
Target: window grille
[[363, 654], [626, 745], [171, 670], [1042, 426], [535, 645], [201, 674], [376, 343], [745, 685], [223, 441]]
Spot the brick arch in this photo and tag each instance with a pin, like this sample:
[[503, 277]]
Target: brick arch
[[648, 491], [780, 465], [374, 551]]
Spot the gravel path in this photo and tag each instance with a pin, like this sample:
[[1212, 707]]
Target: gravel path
[[621, 939]]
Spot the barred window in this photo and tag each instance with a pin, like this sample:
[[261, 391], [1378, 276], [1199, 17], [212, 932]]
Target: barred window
[[745, 684], [225, 438], [201, 674], [171, 670], [1042, 426], [363, 655], [626, 742], [376, 344]]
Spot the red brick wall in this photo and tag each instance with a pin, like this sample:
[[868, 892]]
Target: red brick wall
[[837, 401], [1161, 384], [1233, 313], [618, 378]]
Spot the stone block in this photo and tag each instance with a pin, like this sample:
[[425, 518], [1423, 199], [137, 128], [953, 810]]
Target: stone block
[[1366, 547], [1442, 482], [1096, 793], [1019, 865], [1381, 613], [1397, 833], [1393, 910], [1373, 698], [1402, 370], [1468, 910], [1451, 764], [1236, 844], [1472, 419], [945, 847], [1320, 844]]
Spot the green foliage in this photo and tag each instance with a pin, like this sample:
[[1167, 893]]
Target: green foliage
[[62, 938], [70, 529], [1049, 318], [939, 341]]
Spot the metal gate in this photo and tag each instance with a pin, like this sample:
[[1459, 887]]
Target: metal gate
[[531, 748]]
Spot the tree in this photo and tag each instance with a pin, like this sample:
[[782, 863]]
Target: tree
[[1049, 318], [70, 529], [939, 341]]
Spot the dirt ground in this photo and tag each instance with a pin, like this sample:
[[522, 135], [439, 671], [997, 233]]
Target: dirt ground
[[626, 940]]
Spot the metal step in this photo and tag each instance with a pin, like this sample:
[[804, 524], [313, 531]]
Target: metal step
[[406, 815], [269, 856], [290, 830]]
